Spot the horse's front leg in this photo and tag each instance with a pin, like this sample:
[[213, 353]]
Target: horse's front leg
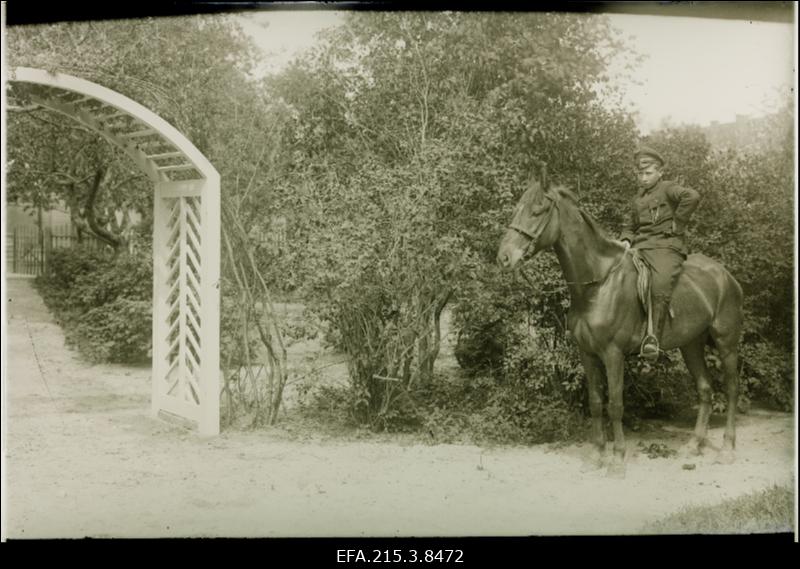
[[594, 377], [614, 361]]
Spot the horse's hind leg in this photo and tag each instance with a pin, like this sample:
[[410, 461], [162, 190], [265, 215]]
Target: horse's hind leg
[[594, 376], [730, 367], [694, 356], [614, 361], [726, 336]]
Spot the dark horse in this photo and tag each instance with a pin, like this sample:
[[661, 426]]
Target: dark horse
[[607, 320]]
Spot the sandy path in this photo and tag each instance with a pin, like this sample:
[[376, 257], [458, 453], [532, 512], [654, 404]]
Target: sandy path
[[85, 459]]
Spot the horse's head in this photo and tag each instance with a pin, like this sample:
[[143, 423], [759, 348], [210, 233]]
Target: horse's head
[[534, 223]]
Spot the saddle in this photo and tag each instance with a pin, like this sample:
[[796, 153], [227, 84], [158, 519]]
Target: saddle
[[643, 269]]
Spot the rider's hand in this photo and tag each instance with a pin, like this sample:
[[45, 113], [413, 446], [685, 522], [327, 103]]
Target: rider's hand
[[626, 243]]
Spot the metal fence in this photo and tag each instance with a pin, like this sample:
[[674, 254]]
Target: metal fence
[[28, 248]]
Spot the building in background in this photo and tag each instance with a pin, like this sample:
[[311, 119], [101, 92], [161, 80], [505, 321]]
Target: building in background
[[29, 241], [22, 215], [745, 134]]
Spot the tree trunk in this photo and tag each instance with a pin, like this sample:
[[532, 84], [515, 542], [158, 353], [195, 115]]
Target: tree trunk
[[117, 242], [429, 347]]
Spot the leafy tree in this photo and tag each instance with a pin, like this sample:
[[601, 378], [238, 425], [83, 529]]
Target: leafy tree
[[744, 222], [195, 73], [57, 162], [412, 136], [188, 70]]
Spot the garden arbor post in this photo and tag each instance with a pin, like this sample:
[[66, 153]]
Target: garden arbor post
[[186, 235]]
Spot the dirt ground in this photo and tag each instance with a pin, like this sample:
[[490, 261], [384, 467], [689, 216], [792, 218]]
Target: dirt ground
[[84, 458]]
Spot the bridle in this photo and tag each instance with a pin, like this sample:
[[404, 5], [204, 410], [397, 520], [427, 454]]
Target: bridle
[[543, 224], [534, 237]]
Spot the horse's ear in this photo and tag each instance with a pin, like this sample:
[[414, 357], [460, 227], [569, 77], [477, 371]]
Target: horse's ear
[[533, 180], [539, 174], [543, 175]]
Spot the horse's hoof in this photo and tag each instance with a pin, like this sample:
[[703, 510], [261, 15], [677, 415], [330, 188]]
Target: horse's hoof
[[692, 449], [592, 463], [725, 456], [616, 470]]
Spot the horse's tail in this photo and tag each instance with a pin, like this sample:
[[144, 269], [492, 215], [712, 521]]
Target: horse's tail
[[728, 321]]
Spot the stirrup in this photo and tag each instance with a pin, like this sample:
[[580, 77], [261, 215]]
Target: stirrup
[[649, 349]]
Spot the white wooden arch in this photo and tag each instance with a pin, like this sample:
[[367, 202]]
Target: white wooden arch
[[186, 235]]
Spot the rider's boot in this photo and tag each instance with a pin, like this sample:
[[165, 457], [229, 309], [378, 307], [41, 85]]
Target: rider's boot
[[650, 345]]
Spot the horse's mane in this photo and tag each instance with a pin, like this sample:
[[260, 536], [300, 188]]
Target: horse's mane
[[591, 222]]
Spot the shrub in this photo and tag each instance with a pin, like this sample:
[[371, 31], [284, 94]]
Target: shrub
[[481, 410], [524, 330], [479, 348], [66, 268], [664, 394], [67, 265], [125, 277], [119, 331], [476, 410], [104, 303], [521, 415], [370, 333], [536, 394], [767, 374]]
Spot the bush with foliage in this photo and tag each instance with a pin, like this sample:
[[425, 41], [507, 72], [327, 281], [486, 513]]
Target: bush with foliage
[[481, 411], [119, 331], [744, 221], [66, 268], [411, 137], [104, 302]]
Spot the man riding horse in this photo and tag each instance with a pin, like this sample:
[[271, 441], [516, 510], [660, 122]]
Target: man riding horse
[[656, 227], [605, 318]]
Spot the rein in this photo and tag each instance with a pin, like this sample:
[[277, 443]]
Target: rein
[[598, 280], [608, 274]]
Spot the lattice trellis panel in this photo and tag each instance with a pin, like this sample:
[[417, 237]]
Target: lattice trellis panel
[[184, 323], [186, 233], [183, 302]]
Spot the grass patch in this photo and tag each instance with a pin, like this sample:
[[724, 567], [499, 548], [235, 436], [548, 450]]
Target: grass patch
[[767, 511]]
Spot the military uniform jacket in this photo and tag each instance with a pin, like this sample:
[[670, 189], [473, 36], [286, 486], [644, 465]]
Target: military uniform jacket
[[659, 217]]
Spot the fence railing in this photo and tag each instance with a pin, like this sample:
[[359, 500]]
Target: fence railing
[[28, 248]]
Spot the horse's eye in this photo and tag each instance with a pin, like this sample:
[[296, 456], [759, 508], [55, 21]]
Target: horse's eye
[[537, 209]]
